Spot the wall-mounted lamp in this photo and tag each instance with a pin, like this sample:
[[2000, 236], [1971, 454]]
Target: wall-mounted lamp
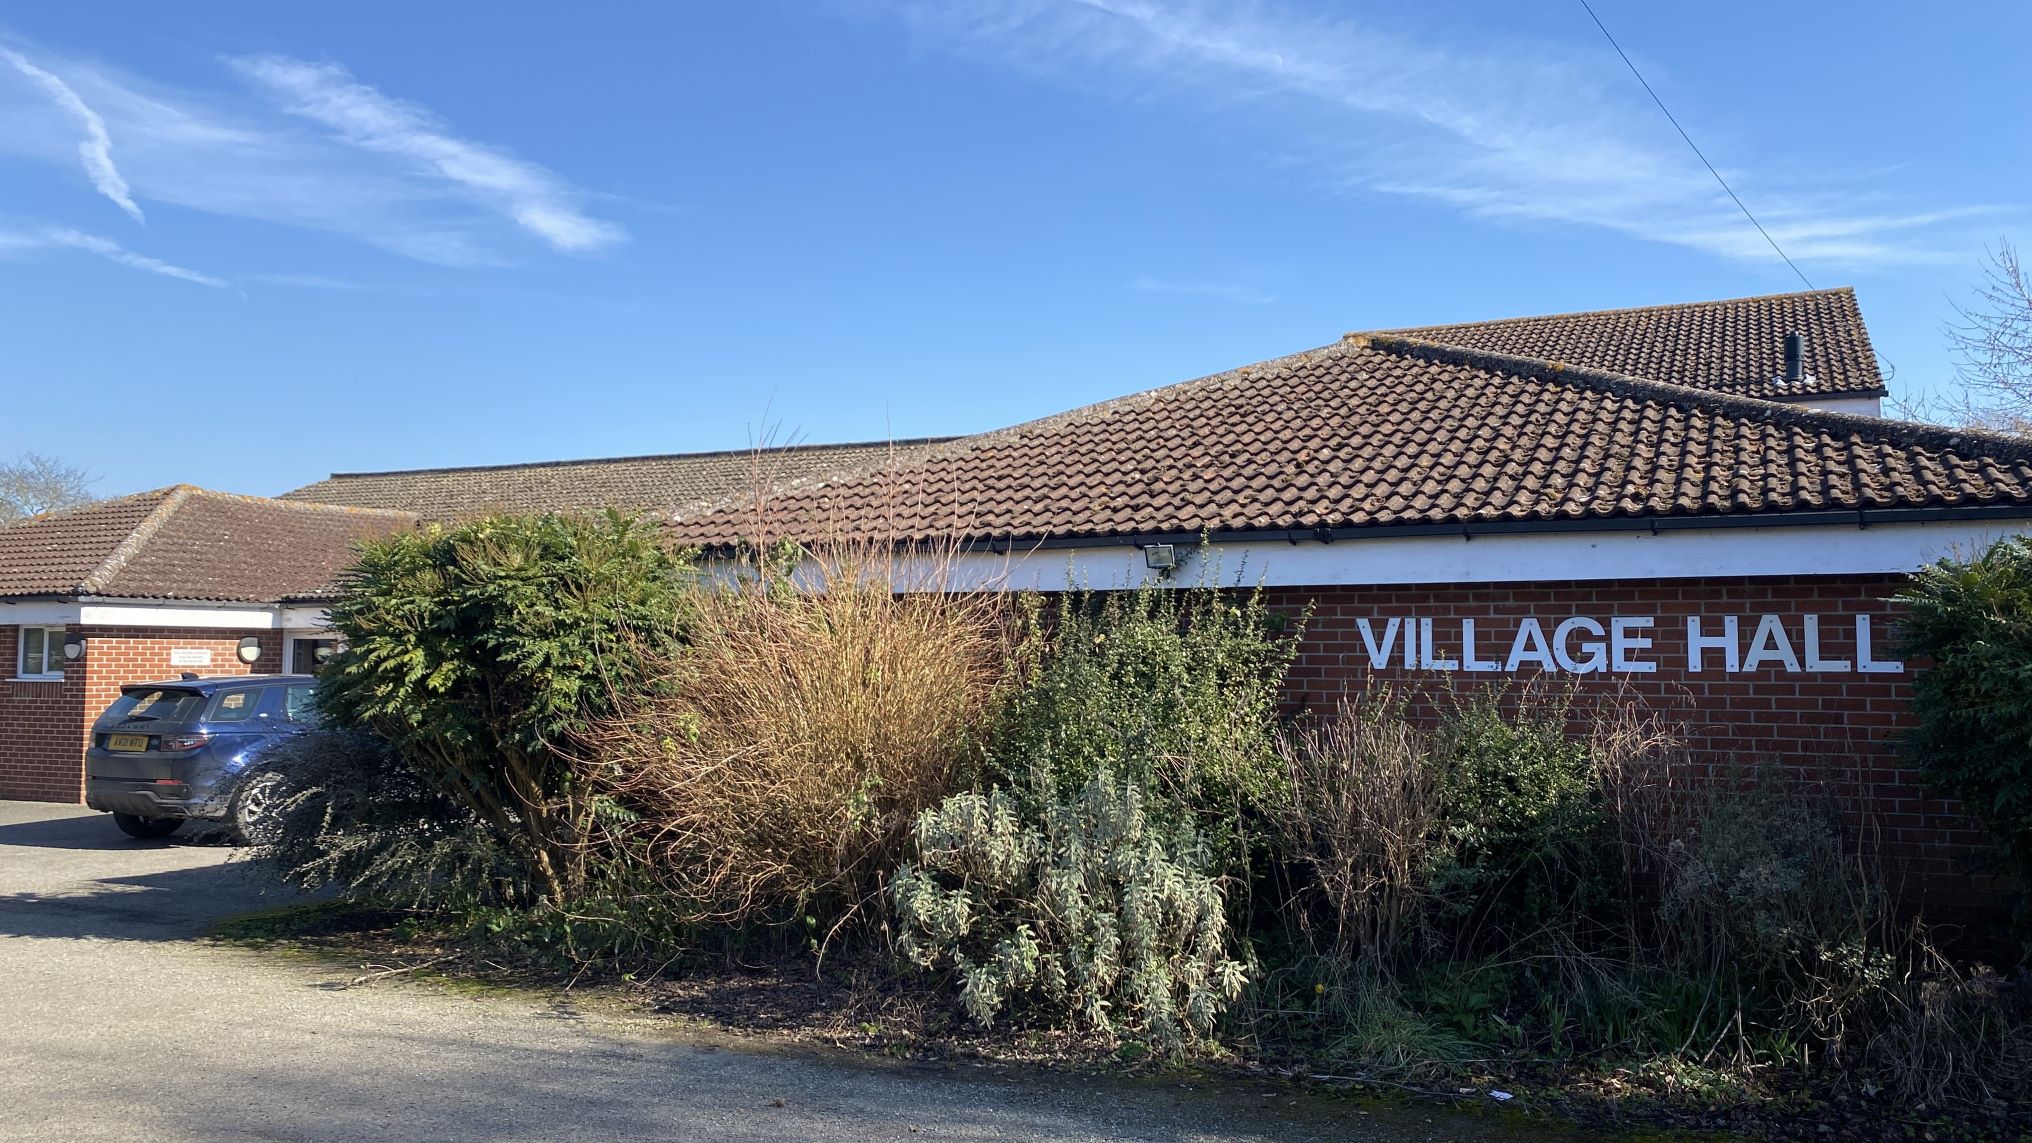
[[249, 649], [1159, 557], [73, 648]]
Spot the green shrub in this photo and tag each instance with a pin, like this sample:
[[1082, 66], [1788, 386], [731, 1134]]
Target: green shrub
[[1973, 742], [1097, 914], [358, 817], [479, 652], [1173, 689], [1762, 878], [1525, 845]]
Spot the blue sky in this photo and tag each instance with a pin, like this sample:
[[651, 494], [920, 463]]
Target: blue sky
[[252, 246]]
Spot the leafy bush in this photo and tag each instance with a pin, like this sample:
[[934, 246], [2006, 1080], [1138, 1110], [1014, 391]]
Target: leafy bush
[[478, 651], [357, 816], [1763, 878], [1525, 844], [1098, 913], [1973, 619], [776, 768], [1174, 689]]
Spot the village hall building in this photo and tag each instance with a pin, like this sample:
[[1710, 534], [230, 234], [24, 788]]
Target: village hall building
[[1694, 505]]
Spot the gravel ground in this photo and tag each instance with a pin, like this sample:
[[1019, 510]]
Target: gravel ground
[[117, 1022]]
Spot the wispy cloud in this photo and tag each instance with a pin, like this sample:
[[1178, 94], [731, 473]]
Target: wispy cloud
[[96, 150], [1529, 133], [308, 145], [308, 282], [537, 200], [48, 237], [1220, 291]]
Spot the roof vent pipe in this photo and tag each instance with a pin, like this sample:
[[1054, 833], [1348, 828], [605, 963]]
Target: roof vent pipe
[[1795, 358]]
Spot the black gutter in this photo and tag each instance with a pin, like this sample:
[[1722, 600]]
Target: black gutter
[[1832, 395]]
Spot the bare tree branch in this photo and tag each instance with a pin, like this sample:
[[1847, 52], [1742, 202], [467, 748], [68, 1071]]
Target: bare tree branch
[[1992, 345], [34, 484]]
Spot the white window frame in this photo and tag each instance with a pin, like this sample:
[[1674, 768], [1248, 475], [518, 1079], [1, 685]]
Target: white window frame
[[52, 654]]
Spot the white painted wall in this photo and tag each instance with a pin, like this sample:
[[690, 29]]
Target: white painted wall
[[1537, 556], [151, 615]]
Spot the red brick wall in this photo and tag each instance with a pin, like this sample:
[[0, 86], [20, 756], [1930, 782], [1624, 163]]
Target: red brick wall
[[42, 729], [1831, 731], [43, 726]]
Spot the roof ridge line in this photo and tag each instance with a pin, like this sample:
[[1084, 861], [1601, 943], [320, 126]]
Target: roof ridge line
[[805, 447], [1883, 429], [59, 513], [961, 445], [95, 581], [1402, 329], [296, 505]]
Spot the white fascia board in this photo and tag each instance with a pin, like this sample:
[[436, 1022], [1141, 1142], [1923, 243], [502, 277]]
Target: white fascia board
[[1860, 406], [306, 619], [133, 613], [1502, 558], [34, 613]]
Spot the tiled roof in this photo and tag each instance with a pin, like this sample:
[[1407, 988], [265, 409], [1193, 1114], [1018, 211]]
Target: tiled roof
[[186, 543], [634, 483], [1734, 346], [1383, 430]]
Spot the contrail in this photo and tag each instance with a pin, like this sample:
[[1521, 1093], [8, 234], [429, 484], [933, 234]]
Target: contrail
[[97, 149]]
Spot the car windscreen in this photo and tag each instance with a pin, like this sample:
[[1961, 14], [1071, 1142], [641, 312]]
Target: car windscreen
[[166, 705]]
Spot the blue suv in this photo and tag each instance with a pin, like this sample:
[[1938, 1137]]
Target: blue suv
[[193, 749]]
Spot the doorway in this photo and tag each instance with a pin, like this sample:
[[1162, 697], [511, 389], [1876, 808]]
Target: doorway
[[307, 656]]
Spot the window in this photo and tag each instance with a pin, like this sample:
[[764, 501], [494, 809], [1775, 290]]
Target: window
[[153, 704], [41, 653], [235, 705], [298, 705]]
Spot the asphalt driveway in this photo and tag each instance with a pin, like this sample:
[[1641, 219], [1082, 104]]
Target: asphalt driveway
[[117, 1023]]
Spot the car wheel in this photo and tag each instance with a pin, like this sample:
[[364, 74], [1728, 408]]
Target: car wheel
[[134, 825], [257, 808]]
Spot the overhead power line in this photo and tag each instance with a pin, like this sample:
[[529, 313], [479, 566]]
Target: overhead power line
[[1689, 142]]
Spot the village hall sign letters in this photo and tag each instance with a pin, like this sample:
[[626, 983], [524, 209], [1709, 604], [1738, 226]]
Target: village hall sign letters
[[1624, 644]]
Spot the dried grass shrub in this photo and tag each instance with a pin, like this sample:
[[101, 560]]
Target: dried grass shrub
[[1363, 812], [827, 699]]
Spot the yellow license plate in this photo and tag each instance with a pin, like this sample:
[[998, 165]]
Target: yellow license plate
[[132, 743]]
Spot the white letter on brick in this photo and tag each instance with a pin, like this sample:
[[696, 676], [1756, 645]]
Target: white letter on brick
[[1813, 660], [1529, 645], [1864, 663], [1621, 643], [1770, 645], [1467, 649], [1379, 653], [1697, 644], [1594, 655], [1425, 650]]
